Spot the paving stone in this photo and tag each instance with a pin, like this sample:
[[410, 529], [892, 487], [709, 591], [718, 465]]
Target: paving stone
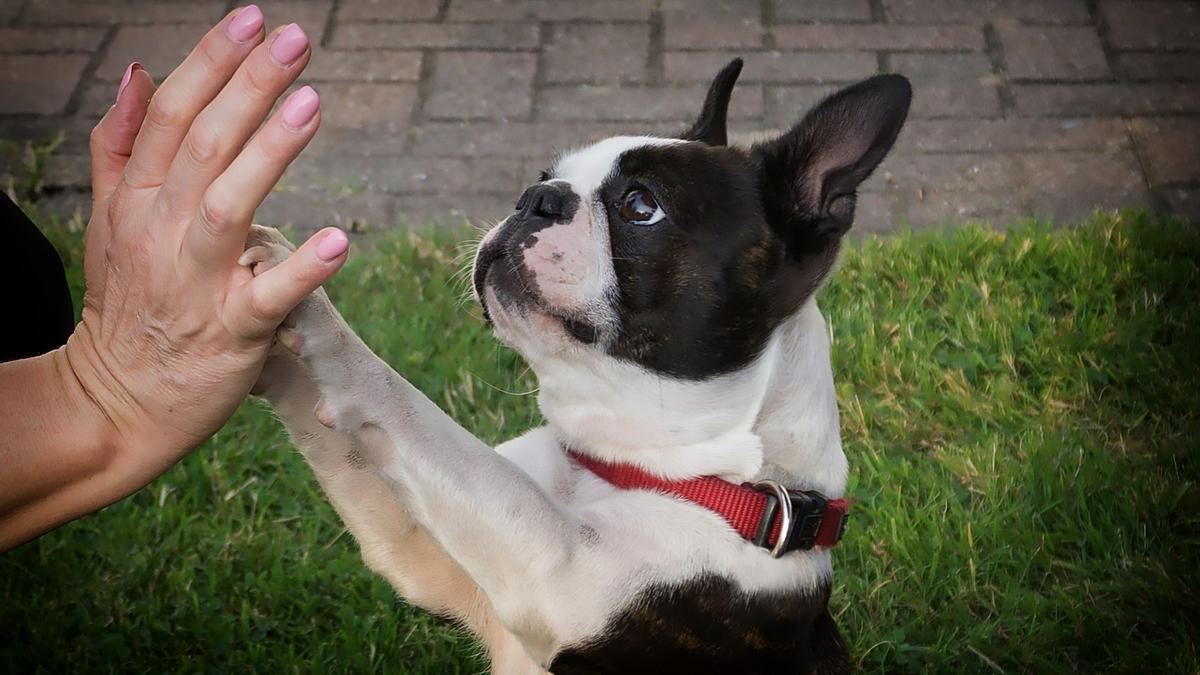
[[950, 85], [1011, 134], [404, 175], [1185, 203], [913, 173], [454, 211], [1106, 99], [311, 15], [598, 53], [40, 84], [388, 10], [1170, 149], [549, 10], [308, 212], [713, 9], [74, 12], [1069, 186], [787, 104], [30, 40], [878, 37], [9, 11], [513, 36], [875, 213], [71, 130], [159, 48], [481, 85], [669, 102], [954, 209], [376, 108], [979, 11], [1158, 66], [1147, 24], [821, 10], [539, 141], [688, 32], [365, 66], [772, 66], [1052, 52]]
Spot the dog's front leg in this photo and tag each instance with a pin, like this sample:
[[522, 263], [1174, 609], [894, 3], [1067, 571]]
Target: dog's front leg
[[480, 508]]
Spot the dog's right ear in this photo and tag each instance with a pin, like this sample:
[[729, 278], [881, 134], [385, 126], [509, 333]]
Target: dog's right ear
[[811, 174], [710, 127]]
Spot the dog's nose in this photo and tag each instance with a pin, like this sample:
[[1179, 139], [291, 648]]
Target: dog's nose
[[544, 199]]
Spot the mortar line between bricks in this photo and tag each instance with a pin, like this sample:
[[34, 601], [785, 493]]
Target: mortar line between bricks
[[443, 11], [89, 71], [20, 13], [656, 56], [1158, 200], [767, 12], [995, 53], [424, 85], [538, 83], [331, 23], [1101, 28], [878, 13]]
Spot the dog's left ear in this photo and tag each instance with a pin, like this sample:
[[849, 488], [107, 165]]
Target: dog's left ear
[[811, 174], [710, 127]]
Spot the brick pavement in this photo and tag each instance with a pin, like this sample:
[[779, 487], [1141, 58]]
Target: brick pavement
[[440, 110]]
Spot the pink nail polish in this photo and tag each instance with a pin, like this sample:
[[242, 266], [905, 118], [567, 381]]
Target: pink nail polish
[[299, 108], [246, 24], [333, 245], [125, 78], [289, 45]]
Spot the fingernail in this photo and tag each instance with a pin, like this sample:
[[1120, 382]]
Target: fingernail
[[125, 78], [246, 24], [289, 45], [300, 107], [333, 245]]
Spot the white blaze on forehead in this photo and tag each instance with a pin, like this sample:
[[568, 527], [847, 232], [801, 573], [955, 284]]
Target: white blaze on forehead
[[587, 169]]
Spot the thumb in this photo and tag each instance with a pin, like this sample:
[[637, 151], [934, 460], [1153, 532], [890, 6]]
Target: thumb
[[265, 301], [112, 139]]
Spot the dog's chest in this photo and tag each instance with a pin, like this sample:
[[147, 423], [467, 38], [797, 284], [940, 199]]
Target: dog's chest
[[707, 625]]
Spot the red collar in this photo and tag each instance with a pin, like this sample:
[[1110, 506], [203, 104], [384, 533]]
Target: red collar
[[812, 518]]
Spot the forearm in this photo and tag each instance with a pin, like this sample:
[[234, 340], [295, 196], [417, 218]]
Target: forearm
[[59, 456]]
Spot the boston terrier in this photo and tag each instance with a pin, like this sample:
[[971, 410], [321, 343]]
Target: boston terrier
[[675, 513]]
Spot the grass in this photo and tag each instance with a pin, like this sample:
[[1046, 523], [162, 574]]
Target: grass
[[1018, 409]]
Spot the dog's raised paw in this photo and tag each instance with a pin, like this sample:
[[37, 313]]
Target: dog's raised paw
[[266, 247]]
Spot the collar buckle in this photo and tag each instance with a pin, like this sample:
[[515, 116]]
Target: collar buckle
[[801, 515]]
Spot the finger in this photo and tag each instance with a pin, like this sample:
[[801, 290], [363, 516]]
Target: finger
[[216, 237], [112, 139], [260, 304], [187, 90], [222, 128]]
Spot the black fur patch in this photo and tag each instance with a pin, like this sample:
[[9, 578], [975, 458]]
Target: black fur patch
[[709, 626], [696, 294]]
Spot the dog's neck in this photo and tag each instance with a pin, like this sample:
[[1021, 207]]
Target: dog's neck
[[775, 418]]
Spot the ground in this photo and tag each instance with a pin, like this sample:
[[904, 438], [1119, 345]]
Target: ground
[[440, 110], [1018, 409]]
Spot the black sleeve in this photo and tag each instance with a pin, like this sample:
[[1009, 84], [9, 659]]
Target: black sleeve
[[38, 315]]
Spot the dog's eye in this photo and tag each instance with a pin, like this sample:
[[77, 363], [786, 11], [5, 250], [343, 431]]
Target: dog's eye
[[638, 207]]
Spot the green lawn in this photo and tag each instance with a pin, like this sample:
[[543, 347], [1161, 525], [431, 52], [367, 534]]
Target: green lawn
[[1018, 410]]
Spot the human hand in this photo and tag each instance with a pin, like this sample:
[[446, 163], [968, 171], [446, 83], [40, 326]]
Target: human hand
[[174, 331]]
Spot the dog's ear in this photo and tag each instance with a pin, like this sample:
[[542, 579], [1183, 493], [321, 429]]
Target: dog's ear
[[710, 127], [811, 174], [810, 177]]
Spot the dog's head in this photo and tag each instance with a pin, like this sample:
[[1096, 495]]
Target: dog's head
[[683, 255]]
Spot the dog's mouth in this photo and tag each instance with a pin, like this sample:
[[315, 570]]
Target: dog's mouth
[[512, 285]]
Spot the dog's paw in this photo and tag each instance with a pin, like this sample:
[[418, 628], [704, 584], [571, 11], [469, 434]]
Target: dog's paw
[[266, 247]]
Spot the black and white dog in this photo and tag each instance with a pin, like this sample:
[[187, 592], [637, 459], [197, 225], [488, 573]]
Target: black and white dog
[[662, 291]]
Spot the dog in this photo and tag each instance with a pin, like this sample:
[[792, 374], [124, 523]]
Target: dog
[[662, 291]]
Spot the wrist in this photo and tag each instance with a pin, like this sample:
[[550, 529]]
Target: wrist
[[79, 375]]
